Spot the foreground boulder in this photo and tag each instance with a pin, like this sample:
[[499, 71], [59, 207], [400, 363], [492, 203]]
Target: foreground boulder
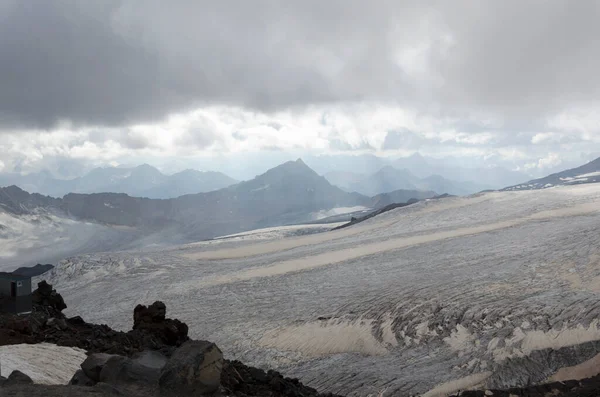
[[81, 379], [92, 366], [123, 371], [17, 378], [194, 369]]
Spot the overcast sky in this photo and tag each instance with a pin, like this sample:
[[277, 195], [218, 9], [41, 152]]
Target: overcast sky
[[106, 82]]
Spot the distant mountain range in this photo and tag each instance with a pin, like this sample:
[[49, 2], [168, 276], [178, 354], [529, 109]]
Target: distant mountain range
[[345, 169], [287, 194], [587, 173], [35, 227], [140, 181], [389, 179]]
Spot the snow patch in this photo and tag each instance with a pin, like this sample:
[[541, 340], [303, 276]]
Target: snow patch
[[265, 187], [337, 211], [45, 363], [589, 174]]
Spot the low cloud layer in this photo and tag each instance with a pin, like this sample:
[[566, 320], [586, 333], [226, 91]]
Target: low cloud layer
[[508, 80]]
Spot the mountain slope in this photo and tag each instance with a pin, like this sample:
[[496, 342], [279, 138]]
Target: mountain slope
[[400, 196], [189, 182], [587, 173], [450, 168], [140, 181], [440, 184], [343, 179], [389, 179], [283, 195], [14, 200]]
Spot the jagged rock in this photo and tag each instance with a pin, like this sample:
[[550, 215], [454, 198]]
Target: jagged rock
[[17, 378], [155, 313], [92, 366], [147, 346], [119, 370], [194, 369], [45, 295], [81, 379], [152, 319], [77, 320]]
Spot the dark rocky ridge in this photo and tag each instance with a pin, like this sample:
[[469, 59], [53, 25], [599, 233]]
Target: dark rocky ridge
[[32, 271], [152, 332]]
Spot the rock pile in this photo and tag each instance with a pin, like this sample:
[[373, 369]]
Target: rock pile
[[47, 323], [155, 358], [45, 296], [153, 320]]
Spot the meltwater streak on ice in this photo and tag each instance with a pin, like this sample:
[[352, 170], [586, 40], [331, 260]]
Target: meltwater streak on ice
[[328, 258], [289, 243]]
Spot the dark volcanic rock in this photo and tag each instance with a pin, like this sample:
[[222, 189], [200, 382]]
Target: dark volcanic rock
[[119, 370], [45, 296], [195, 368], [241, 380], [17, 378], [46, 323], [81, 379], [155, 313], [142, 357], [93, 364], [152, 319]]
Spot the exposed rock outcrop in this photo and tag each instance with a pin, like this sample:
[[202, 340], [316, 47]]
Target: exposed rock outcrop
[[152, 319], [152, 330], [195, 368], [155, 358], [47, 297], [17, 378]]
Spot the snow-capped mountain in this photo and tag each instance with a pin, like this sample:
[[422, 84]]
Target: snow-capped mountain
[[587, 173]]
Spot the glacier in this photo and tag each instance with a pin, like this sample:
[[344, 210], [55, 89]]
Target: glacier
[[442, 294]]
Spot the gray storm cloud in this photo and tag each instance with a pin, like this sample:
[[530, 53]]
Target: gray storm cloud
[[119, 62]]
